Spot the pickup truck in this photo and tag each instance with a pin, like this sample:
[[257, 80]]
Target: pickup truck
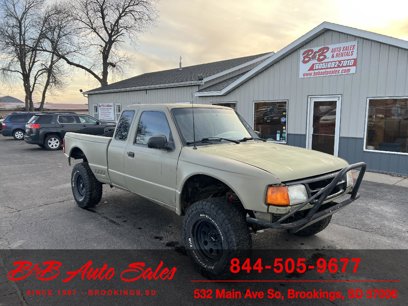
[[208, 165]]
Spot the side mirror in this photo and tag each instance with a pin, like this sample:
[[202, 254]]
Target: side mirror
[[158, 142], [98, 122]]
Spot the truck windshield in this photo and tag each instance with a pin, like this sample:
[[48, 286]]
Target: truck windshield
[[210, 124]]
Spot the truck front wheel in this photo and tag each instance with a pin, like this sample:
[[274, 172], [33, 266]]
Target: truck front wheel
[[87, 190], [314, 228], [214, 232]]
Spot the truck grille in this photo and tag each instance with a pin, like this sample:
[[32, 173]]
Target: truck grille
[[315, 184]]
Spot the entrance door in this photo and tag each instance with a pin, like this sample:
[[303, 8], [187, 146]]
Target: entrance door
[[324, 124]]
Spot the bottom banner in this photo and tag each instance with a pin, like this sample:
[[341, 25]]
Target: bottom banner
[[164, 277]]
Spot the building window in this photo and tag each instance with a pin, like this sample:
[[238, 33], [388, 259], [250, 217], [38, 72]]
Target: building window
[[270, 120], [232, 105], [387, 125], [95, 110]]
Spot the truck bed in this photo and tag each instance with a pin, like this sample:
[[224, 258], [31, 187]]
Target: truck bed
[[92, 147]]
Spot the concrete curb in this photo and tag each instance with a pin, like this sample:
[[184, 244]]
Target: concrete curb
[[386, 179]]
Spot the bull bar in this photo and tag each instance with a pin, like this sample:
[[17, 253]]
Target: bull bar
[[316, 214]]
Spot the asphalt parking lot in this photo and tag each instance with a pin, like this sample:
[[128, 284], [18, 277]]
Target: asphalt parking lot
[[37, 211]]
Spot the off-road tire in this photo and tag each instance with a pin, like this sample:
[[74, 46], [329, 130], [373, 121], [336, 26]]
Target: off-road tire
[[18, 134], [52, 139], [87, 190], [314, 228], [226, 226]]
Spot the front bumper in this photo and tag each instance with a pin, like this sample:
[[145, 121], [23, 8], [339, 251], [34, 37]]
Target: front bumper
[[318, 211]]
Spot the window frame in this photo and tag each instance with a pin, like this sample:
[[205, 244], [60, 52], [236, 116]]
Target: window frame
[[137, 127], [366, 125], [130, 126], [287, 116], [117, 114]]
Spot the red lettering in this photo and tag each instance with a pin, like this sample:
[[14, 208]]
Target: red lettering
[[21, 272], [90, 273], [48, 271], [138, 270]]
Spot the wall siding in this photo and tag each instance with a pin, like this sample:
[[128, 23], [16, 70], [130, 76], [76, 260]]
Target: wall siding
[[297, 140], [351, 150], [156, 96]]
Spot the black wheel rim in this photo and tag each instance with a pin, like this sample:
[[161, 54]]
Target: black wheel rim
[[80, 186], [208, 240]]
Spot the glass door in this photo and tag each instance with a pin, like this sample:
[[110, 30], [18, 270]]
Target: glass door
[[323, 127]]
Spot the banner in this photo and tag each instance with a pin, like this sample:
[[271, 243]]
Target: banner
[[328, 60], [167, 277]]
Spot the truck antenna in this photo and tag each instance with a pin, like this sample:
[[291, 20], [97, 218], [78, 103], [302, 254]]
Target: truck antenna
[[192, 112]]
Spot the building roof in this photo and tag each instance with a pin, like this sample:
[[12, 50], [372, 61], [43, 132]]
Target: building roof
[[186, 76], [10, 99], [300, 42]]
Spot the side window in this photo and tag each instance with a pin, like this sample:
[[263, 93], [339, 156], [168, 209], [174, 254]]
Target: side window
[[124, 124], [66, 119], [20, 118], [152, 123], [44, 119], [87, 119]]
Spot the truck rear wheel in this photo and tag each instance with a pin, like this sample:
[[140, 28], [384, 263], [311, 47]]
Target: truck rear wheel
[[314, 228], [214, 232], [87, 190]]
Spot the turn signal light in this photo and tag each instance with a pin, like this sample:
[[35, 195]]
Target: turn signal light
[[277, 195]]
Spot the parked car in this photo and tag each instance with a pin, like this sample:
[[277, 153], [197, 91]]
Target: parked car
[[48, 129], [216, 172], [1, 123], [14, 124]]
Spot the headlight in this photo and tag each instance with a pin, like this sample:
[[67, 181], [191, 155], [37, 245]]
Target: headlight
[[285, 196], [297, 194], [350, 179]]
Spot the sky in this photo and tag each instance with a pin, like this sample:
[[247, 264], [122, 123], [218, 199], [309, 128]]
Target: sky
[[202, 31]]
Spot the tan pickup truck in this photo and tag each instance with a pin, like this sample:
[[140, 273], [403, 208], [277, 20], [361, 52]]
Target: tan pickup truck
[[207, 164]]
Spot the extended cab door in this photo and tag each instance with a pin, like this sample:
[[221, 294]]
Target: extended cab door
[[117, 149], [152, 172]]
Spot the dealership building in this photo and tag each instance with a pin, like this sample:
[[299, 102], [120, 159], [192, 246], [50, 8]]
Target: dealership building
[[336, 89]]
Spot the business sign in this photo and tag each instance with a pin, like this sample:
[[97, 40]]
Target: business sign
[[106, 112], [328, 60]]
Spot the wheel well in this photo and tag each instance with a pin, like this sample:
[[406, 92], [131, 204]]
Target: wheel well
[[200, 187], [76, 153]]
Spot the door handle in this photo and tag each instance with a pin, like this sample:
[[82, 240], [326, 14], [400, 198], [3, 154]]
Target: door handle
[[131, 154]]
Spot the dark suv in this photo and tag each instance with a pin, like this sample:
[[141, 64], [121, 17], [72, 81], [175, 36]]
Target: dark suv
[[48, 129], [14, 124]]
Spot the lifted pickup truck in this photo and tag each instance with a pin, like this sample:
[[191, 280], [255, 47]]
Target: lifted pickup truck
[[206, 164]]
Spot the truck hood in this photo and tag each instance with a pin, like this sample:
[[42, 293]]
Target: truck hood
[[285, 162]]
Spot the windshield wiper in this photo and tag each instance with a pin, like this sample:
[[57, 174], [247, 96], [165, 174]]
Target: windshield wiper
[[210, 139], [250, 138], [246, 139]]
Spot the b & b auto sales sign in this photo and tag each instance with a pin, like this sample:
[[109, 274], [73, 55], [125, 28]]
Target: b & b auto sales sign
[[328, 60]]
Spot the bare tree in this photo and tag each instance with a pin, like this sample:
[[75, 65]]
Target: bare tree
[[22, 32], [98, 28]]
